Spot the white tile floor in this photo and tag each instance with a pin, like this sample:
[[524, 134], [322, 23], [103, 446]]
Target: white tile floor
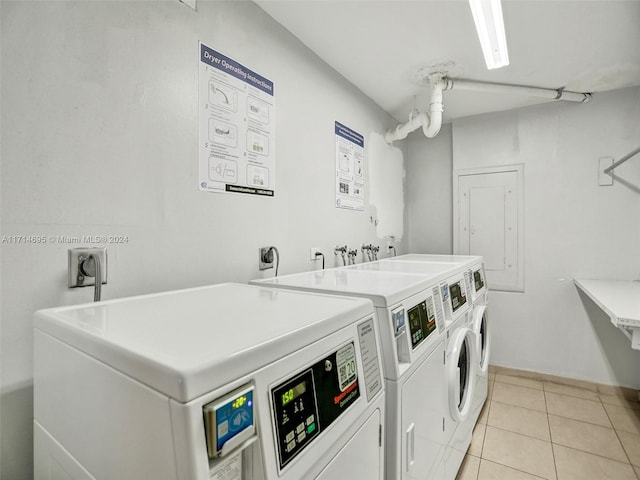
[[532, 430]]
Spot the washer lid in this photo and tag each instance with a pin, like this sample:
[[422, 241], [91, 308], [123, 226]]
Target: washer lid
[[384, 288], [189, 342], [420, 257], [432, 270]]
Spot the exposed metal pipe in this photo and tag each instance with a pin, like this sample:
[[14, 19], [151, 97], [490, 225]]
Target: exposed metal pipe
[[549, 93]]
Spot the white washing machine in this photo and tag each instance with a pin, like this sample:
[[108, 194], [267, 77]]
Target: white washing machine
[[410, 320], [230, 382], [478, 320], [482, 329], [461, 346], [461, 369]]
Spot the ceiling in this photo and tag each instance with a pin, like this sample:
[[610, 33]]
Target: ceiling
[[386, 48]]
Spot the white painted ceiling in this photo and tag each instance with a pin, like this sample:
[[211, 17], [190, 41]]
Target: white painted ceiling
[[386, 48]]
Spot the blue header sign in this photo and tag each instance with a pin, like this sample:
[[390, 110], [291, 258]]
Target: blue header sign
[[233, 68], [348, 134]]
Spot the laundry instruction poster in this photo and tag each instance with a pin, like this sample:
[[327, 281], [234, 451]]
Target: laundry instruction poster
[[349, 168], [237, 127]]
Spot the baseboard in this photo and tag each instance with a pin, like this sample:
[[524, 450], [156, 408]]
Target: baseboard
[[628, 393]]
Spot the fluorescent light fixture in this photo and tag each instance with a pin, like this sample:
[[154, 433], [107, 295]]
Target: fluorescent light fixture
[[487, 15]]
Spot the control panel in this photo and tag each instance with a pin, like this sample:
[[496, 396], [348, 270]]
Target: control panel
[[446, 302], [398, 320], [416, 324], [229, 421], [478, 279], [437, 297], [458, 295], [399, 324], [307, 403], [468, 281], [422, 321]]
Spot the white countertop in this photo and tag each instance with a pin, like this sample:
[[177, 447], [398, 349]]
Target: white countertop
[[620, 299]]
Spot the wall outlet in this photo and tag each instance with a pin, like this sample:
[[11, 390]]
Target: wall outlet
[[312, 253], [77, 277], [265, 258]]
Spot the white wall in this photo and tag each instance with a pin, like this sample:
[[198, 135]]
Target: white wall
[[99, 137], [573, 229], [429, 191]]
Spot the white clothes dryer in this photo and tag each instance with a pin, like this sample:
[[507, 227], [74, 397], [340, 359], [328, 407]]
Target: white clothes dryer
[[410, 320], [227, 381]]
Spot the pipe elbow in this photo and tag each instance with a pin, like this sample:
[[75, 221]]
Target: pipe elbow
[[432, 127], [389, 137]]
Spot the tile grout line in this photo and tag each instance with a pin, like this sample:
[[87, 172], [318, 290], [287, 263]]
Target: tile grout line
[[484, 437], [564, 416], [522, 386], [594, 455], [511, 467], [516, 433], [553, 453], [615, 430]]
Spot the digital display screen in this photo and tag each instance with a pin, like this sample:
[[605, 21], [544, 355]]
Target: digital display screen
[[422, 321], [457, 297], [293, 393], [415, 324], [233, 417], [240, 401]]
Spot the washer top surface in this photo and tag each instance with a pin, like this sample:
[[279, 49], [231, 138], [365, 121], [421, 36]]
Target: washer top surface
[[429, 270], [430, 258], [383, 288], [186, 343]]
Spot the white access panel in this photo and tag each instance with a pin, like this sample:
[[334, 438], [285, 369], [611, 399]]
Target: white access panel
[[122, 388], [423, 438], [358, 457], [488, 221]]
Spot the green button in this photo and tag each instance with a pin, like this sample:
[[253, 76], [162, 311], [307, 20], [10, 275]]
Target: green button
[[311, 428]]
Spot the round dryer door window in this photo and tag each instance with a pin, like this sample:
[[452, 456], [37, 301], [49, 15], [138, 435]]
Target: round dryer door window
[[483, 338], [461, 373]]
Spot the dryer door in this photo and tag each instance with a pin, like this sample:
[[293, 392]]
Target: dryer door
[[480, 327], [461, 373]]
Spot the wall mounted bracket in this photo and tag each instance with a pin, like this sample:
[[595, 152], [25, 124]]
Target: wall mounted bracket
[[621, 161]]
